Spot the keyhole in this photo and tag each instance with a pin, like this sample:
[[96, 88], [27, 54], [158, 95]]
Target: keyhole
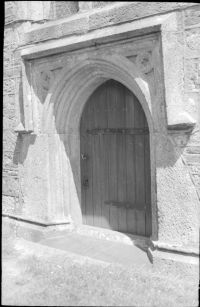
[[85, 183]]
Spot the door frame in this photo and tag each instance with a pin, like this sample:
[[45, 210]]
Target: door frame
[[66, 105]]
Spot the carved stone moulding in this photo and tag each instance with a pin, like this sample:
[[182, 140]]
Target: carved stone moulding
[[45, 70]]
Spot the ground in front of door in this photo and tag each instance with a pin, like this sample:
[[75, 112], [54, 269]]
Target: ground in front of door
[[39, 275]]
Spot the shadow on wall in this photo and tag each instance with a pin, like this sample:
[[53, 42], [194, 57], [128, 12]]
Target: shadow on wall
[[22, 146], [170, 148]]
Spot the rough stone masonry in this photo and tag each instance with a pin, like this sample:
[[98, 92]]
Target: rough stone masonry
[[50, 48]]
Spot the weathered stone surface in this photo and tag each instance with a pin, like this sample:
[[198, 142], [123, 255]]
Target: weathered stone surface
[[11, 72], [193, 149], [192, 105], [173, 65], [192, 158], [9, 140], [9, 204], [9, 86], [88, 5], [9, 101], [8, 59], [197, 182], [123, 12], [131, 11], [192, 43], [195, 169], [10, 185], [9, 120], [12, 76], [193, 39], [34, 176], [19, 11], [192, 74], [47, 32], [8, 159], [98, 4], [85, 6], [10, 11], [192, 16], [65, 8]]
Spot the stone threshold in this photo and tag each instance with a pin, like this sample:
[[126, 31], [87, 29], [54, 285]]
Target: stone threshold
[[36, 232], [104, 234], [111, 235]]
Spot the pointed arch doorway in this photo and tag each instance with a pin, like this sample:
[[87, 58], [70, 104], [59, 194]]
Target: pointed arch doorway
[[115, 161]]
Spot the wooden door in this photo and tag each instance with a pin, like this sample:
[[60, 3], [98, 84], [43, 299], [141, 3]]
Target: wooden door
[[115, 161]]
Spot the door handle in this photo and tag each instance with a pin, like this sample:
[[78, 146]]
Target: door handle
[[86, 183], [84, 156]]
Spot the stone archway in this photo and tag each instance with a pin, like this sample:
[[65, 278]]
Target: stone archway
[[61, 119]]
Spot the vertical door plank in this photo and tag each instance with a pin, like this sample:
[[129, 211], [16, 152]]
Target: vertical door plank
[[121, 182], [83, 142], [140, 172], [83, 171], [104, 154], [104, 148], [84, 166], [113, 119], [131, 183], [89, 165], [140, 222], [147, 185], [121, 158], [131, 188], [97, 159], [113, 181], [130, 164], [96, 181]]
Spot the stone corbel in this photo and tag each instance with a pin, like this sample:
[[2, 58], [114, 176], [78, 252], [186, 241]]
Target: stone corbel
[[182, 122], [21, 130]]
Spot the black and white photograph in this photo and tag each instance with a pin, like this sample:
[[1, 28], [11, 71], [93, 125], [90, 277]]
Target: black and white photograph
[[101, 153]]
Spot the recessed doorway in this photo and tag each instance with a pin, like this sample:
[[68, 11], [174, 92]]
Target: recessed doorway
[[115, 161]]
